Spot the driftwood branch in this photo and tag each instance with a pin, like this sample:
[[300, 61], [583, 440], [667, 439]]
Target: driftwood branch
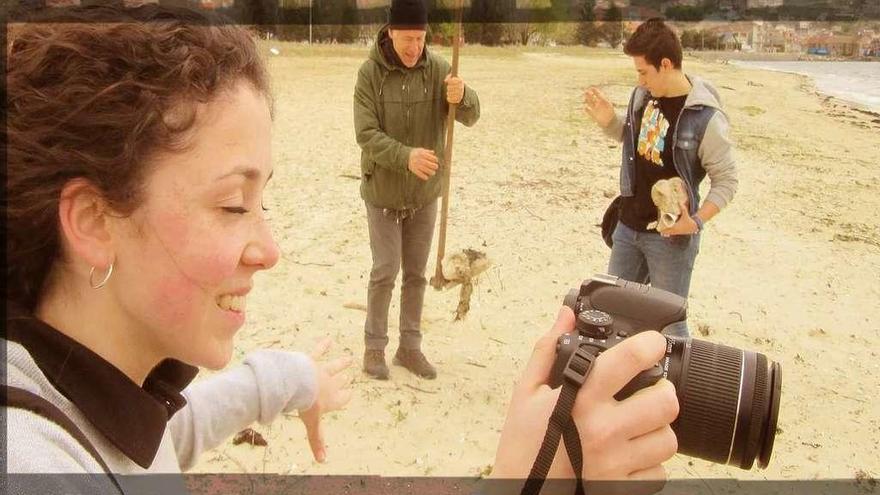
[[420, 389]]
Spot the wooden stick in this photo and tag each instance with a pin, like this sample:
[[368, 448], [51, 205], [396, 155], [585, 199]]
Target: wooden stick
[[420, 389], [438, 281]]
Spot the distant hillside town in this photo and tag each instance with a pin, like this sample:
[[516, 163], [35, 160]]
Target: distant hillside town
[[815, 28]]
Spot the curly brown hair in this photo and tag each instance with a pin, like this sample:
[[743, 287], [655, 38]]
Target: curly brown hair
[[95, 93]]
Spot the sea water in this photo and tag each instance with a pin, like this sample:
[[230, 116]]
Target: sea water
[[854, 82]]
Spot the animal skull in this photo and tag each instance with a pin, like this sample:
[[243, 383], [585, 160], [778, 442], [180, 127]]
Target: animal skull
[[667, 194]]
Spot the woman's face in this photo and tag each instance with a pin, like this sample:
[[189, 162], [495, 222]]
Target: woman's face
[[185, 259]]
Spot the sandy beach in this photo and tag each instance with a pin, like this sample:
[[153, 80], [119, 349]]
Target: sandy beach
[[790, 269]]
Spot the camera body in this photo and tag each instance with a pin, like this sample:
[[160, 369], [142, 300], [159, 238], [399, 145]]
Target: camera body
[[728, 397], [607, 310]]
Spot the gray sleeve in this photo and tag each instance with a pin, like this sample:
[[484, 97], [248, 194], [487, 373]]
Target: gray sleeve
[[39, 445], [716, 154], [614, 130], [268, 383], [45, 458]]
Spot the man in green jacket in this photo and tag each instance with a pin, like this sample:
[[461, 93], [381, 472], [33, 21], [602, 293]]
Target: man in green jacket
[[401, 102]]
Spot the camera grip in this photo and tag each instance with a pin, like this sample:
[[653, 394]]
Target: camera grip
[[642, 380]]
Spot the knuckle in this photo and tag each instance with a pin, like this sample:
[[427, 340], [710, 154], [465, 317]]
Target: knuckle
[[668, 401], [543, 343], [596, 434], [648, 347], [633, 353], [602, 468], [670, 442], [656, 474]]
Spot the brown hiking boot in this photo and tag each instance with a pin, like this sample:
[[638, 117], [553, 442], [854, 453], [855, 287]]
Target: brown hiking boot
[[374, 364], [416, 362]]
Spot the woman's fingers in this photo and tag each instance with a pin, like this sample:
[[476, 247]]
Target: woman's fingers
[[312, 420], [337, 365], [648, 409], [652, 448], [654, 473], [342, 399], [617, 366], [321, 348], [647, 481], [544, 354]]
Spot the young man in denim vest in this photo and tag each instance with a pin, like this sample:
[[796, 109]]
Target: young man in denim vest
[[673, 127]]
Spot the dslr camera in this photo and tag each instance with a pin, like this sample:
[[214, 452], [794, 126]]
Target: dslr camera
[[728, 397]]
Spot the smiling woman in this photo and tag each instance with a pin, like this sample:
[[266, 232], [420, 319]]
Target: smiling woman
[[138, 151], [202, 228]]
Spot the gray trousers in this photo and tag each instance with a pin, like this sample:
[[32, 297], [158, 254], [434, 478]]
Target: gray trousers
[[398, 239]]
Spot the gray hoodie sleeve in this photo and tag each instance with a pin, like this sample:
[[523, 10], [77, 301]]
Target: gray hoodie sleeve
[[716, 154], [614, 130], [268, 383]]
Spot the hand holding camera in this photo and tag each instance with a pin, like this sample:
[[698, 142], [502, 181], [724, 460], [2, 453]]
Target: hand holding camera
[[626, 439], [728, 397]]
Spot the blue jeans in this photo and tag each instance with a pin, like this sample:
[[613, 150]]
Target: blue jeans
[[667, 263]]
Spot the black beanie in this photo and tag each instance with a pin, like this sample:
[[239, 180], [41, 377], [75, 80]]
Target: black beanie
[[409, 14]]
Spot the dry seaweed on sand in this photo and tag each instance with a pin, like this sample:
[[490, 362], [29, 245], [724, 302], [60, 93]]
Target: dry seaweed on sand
[[249, 436]]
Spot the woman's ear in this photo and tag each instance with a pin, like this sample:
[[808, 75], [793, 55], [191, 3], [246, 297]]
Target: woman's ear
[[82, 213]]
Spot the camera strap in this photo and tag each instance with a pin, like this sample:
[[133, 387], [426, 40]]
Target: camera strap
[[561, 424]]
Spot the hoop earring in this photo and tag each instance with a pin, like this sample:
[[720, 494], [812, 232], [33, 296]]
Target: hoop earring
[[103, 282]]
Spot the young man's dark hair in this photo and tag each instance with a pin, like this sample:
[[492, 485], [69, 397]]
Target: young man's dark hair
[[655, 41]]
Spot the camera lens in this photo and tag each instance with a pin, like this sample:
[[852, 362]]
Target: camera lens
[[729, 402]]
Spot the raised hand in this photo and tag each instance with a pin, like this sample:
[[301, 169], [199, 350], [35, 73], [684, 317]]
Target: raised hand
[[598, 107]]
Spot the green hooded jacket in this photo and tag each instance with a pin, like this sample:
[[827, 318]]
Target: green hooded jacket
[[397, 109]]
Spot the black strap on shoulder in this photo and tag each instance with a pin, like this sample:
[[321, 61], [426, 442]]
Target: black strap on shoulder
[[22, 399]]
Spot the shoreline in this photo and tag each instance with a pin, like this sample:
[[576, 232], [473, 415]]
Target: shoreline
[[728, 56], [812, 83]]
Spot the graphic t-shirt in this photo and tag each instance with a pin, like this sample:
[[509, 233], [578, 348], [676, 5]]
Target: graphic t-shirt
[[653, 160]]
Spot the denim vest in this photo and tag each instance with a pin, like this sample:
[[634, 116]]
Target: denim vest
[[686, 138]]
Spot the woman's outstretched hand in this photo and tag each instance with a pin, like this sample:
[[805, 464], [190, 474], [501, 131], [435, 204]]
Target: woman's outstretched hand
[[333, 394]]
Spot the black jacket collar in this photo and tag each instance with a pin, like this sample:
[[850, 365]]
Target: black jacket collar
[[133, 418]]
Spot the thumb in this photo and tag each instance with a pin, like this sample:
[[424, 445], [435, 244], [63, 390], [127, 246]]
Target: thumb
[[544, 353], [683, 208], [447, 78]]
